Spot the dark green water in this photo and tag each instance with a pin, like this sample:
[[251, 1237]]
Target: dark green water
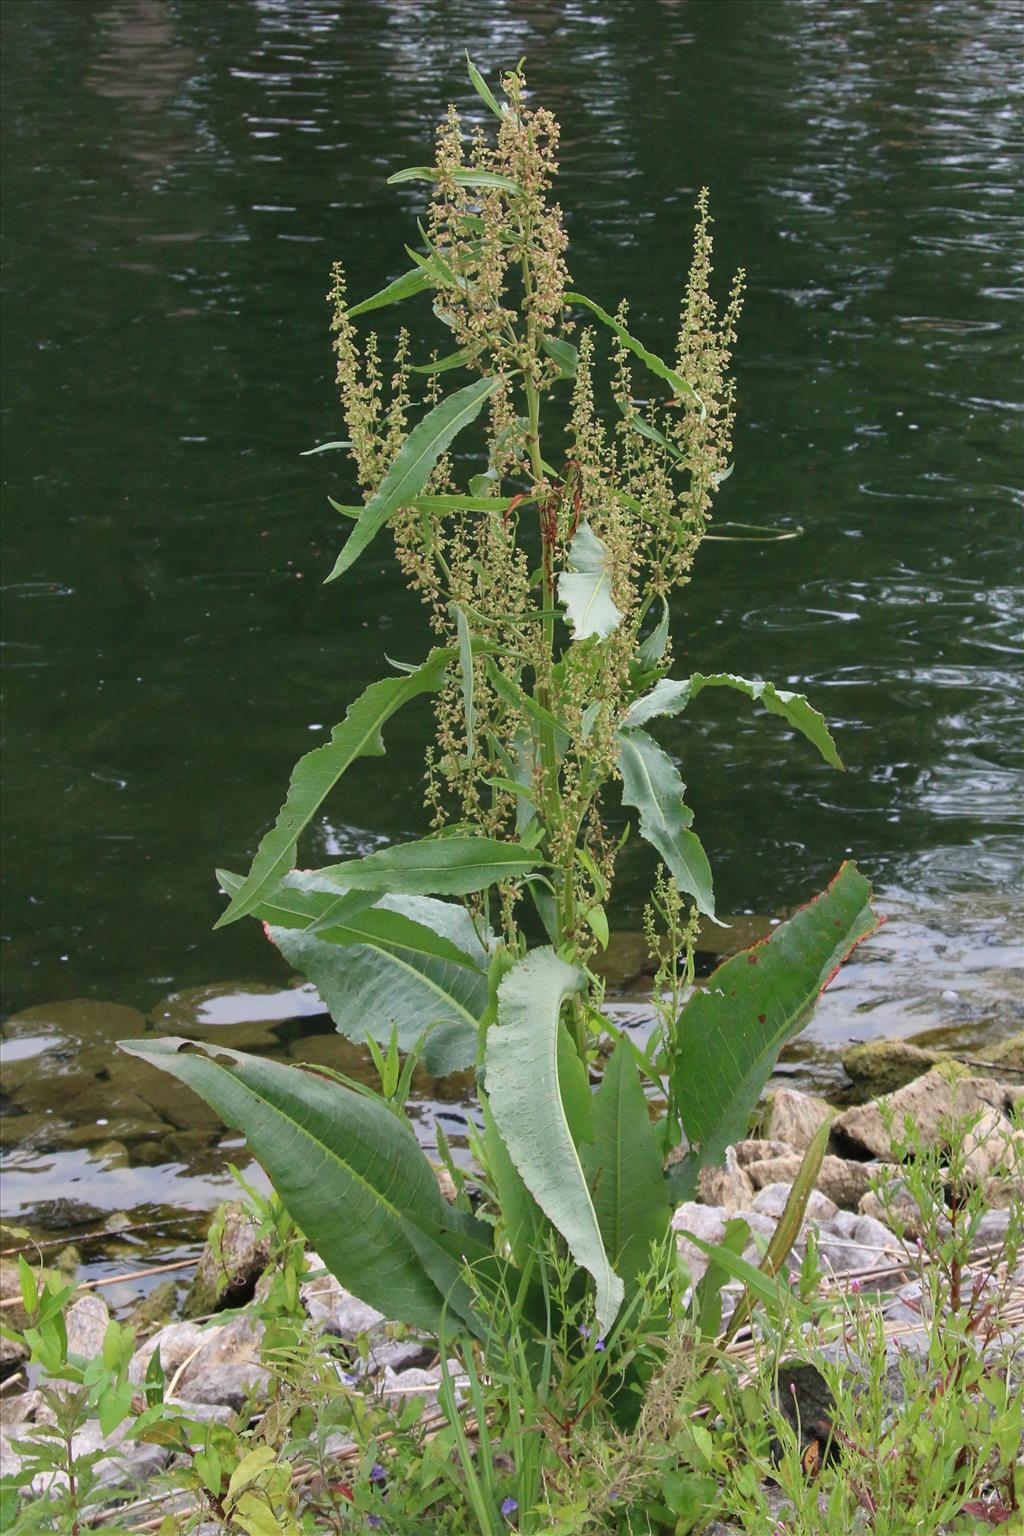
[[178, 176]]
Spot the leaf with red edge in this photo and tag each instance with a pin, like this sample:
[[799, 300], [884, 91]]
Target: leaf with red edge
[[729, 1034]]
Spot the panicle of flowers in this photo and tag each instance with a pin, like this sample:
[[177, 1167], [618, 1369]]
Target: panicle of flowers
[[358, 377], [495, 251]]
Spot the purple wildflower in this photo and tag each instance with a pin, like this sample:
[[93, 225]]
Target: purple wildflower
[[599, 1345], [508, 1507], [374, 1521], [377, 1473], [584, 1331]]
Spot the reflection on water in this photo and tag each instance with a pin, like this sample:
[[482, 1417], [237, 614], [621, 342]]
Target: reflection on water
[[178, 179]]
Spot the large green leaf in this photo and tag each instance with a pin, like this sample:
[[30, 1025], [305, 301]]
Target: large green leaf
[[457, 359], [522, 1074], [462, 176], [563, 353], [670, 697], [586, 588], [413, 464], [623, 1168], [647, 429], [482, 89], [403, 287], [435, 866], [381, 978], [315, 775], [649, 359], [491, 504], [729, 1034], [652, 648], [348, 1170], [651, 783]]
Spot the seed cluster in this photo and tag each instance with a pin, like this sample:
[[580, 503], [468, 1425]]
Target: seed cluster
[[638, 461]]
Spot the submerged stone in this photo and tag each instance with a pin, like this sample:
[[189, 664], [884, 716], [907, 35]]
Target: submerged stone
[[155, 1308], [882, 1066], [1008, 1054], [239, 1014]]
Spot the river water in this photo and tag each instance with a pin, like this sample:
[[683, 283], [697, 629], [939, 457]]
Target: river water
[[179, 176]]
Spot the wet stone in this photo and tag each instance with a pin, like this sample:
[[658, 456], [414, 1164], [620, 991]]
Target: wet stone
[[110, 1155], [805, 1401], [1008, 1054], [42, 1131], [155, 1308], [64, 1215]]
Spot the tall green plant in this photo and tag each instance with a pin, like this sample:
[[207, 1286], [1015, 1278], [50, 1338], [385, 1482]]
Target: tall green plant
[[547, 575]]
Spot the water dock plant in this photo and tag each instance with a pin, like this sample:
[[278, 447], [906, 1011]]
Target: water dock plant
[[547, 553]]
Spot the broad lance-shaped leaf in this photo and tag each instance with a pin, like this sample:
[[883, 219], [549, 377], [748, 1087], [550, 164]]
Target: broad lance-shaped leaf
[[563, 353], [413, 465], [652, 648], [651, 784], [315, 775], [464, 176], [729, 1034], [403, 963], [435, 866], [526, 1103], [670, 697], [349, 1172], [482, 89], [649, 359], [586, 589], [457, 359], [623, 1167], [403, 287]]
